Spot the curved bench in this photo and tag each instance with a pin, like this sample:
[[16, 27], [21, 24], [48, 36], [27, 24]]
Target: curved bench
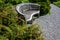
[[28, 10]]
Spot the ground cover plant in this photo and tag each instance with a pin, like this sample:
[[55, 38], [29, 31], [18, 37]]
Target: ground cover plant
[[53, 1], [57, 3], [44, 6], [14, 28], [11, 27]]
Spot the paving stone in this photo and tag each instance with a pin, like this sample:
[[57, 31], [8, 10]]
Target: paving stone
[[50, 24]]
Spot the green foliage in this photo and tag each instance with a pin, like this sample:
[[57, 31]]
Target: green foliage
[[21, 32], [14, 2], [34, 1], [2, 37], [1, 5], [10, 29], [24, 1], [57, 3], [45, 6], [54, 1]]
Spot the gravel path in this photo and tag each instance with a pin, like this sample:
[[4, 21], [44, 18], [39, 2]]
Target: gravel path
[[50, 24]]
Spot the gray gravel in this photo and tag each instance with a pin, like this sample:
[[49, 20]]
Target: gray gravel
[[50, 24]]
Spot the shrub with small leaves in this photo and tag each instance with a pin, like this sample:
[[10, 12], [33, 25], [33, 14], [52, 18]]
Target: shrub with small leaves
[[57, 3], [44, 6], [10, 29], [54, 1]]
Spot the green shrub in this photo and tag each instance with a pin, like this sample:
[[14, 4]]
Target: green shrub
[[34, 1], [10, 29], [14, 2], [44, 6], [54, 1], [23, 32], [1, 5], [57, 3]]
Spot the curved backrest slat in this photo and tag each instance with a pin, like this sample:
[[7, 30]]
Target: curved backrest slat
[[24, 8]]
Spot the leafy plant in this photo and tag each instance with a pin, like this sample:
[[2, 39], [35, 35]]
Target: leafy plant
[[21, 32], [10, 29], [54, 1], [14, 2], [1, 5], [57, 3], [44, 6]]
